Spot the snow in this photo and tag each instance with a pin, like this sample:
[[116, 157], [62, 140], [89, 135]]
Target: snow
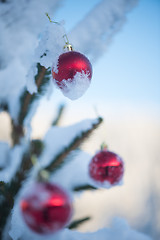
[[95, 32], [21, 25], [51, 45], [91, 37], [119, 230], [79, 166], [105, 184], [24, 30], [27, 120], [21, 17], [14, 158], [76, 87], [55, 140], [49, 48], [58, 138], [31, 85]]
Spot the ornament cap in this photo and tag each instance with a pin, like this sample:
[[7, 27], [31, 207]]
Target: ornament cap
[[67, 46], [43, 176], [104, 146]]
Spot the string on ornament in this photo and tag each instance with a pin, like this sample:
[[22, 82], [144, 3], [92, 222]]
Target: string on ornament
[[67, 45]]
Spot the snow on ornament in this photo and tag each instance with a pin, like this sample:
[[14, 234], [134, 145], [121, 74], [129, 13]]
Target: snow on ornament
[[106, 168], [73, 73], [46, 208]]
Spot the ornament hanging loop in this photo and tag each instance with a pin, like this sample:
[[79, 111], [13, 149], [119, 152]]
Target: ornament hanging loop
[[51, 20], [67, 46], [104, 147]]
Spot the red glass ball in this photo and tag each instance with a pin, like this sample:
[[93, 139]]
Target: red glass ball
[[106, 167], [69, 64], [46, 208]]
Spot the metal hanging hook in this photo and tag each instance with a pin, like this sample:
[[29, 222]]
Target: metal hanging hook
[[67, 45]]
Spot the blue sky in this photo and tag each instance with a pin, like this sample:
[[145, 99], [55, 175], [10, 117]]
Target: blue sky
[[129, 71], [132, 63]]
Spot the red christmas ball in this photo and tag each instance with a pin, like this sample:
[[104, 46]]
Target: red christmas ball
[[106, 168], [46, 208], [72, 74]]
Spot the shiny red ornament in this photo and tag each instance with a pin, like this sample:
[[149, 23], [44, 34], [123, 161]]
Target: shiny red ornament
[[69, 63], [106, 168], [46, 208]]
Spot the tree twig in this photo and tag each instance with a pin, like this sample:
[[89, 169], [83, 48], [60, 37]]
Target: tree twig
[[59, 115], [84, 188], [59, 159], [26, 100], [11, 189]]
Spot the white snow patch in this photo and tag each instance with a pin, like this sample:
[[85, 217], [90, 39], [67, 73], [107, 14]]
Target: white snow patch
[[76, 87], [27, 120], [12, 78], [20, 26], [15, 156], [50, 89], [50, 46], [75, 172], [119, 230], [58, 138], [105, 184], [31, 84]]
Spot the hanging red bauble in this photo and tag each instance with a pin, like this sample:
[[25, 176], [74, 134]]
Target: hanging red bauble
[[72, 74], [106, 168], [46, 208]]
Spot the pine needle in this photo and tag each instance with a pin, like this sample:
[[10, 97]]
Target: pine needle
[[60, 158], [78, 222]]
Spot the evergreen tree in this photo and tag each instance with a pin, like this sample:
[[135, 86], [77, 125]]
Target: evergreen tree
[[39, 161]]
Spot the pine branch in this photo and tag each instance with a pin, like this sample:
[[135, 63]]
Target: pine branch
[[41, 79], [59, 115], [2, 188], [26, 100], [6, 204], [78, 222], [60, 158], [84, 188], [35, 148], [11, 189], [17, 133]]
